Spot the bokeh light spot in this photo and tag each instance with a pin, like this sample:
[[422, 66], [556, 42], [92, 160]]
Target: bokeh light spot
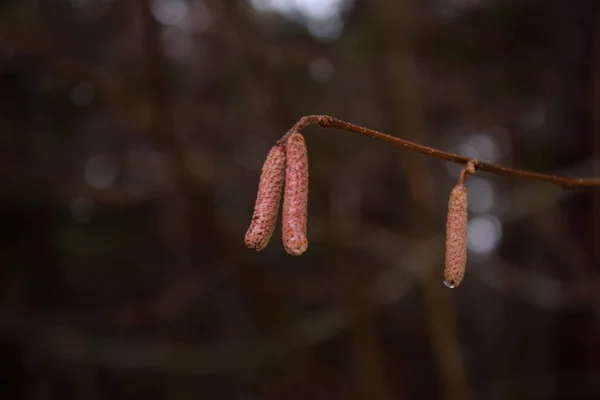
[[101, 171], [323, 18], [170, 12], [485, 232], [481, 194], [326, 29]]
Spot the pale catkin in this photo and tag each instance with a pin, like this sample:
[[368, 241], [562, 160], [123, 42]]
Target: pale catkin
[[295, 195], [267, 200], [456, 237]]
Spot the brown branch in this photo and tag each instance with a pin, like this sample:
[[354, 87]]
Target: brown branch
[[326, 121]]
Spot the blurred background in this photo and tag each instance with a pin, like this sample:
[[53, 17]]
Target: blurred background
[[132, 135]]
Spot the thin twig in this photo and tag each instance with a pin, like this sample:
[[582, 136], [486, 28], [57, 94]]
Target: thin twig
[[326, 121]]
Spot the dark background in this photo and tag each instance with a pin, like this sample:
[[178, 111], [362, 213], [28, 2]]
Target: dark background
[[132, 134]]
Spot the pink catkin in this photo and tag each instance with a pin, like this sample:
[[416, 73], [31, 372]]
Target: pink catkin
[[267, 200], [295, 196], [456, 237]]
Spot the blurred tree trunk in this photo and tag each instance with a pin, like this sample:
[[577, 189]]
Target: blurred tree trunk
[[576, 23]]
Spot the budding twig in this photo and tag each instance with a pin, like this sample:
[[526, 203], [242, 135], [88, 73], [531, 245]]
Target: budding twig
[[469, 168], [326, 121]]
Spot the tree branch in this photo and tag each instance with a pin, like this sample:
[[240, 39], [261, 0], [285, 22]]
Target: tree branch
[[326, 121]]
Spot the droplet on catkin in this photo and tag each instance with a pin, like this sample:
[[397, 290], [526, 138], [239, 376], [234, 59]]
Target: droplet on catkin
[[295, 195], [456, 237], [267, 200], [448, 285]]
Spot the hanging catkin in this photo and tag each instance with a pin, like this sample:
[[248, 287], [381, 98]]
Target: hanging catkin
[[295, 195], [267, 200], [456, 237]]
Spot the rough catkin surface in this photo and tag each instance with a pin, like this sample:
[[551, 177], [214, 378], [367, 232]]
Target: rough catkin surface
[[295, 196], [267, 200], [456, 237]]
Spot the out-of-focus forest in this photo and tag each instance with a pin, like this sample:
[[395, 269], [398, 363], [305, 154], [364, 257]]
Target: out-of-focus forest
[[132, 135]]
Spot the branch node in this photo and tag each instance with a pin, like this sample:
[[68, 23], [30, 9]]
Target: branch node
[[325, 121], [469, 168]]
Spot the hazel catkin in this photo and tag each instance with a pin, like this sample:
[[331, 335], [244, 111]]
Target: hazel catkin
[[295, 195], [267, 200], [456, 237]]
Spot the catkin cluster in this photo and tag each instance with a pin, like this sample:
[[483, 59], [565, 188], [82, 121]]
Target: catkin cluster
[[287, 163], [286, 169]]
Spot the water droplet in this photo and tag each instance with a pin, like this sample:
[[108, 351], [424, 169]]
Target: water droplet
[[448, 285]]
